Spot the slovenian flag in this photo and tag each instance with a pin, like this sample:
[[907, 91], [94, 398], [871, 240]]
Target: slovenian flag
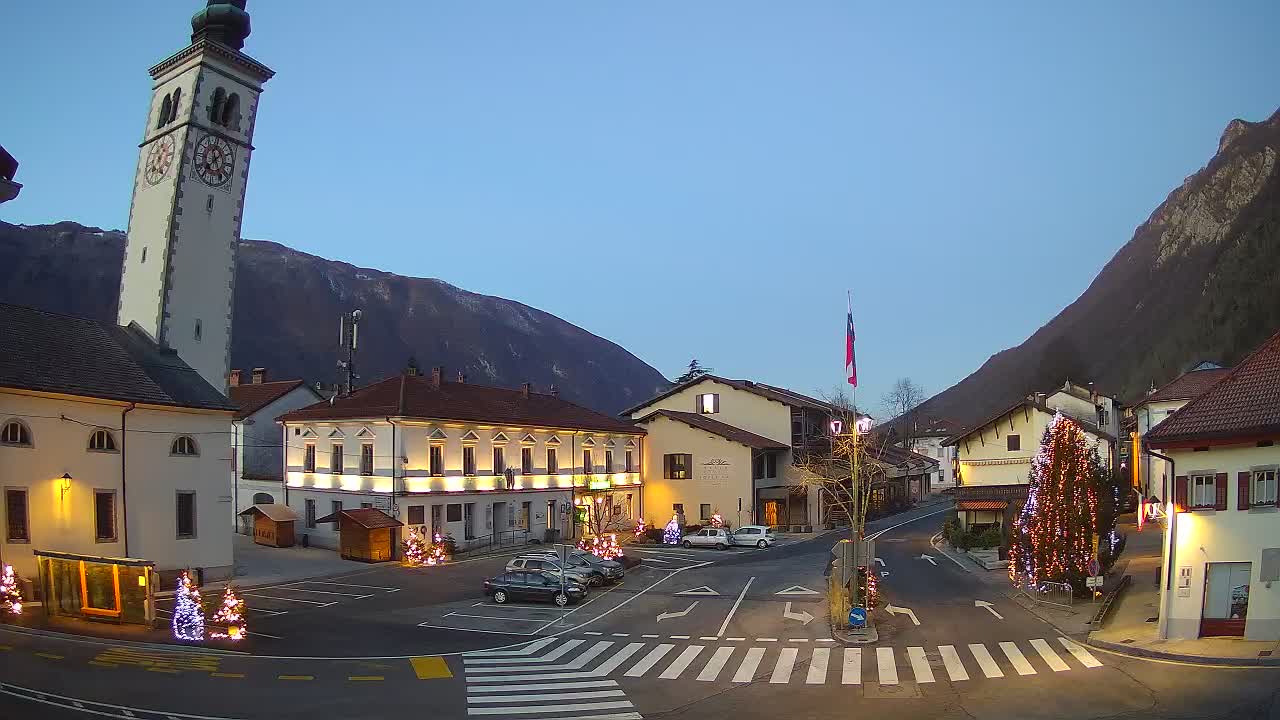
[[850, 367]]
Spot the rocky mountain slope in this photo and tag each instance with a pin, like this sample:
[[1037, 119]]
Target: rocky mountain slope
[[286, 317], [1199, 280]]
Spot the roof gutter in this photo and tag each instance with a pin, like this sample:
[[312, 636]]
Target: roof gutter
[[124, 486]]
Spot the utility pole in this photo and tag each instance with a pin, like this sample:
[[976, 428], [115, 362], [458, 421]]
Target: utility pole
[[348, 341]]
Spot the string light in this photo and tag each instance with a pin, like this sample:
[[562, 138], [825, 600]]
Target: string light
[[10, 595], [1052, 538], [416, 549], [231, 614], [671, 534], [602, 546]]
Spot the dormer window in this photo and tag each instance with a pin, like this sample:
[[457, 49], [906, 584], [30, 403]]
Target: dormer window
[[708, 403]]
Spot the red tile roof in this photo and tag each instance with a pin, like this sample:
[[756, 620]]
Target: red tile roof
[[771, 392], [1244, 402], [252, 398], [724, 430], [982, 504], [368, 518], [414, 396], [1187, 386]]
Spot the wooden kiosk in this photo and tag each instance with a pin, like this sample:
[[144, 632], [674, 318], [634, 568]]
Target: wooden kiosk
[[272, 524], [366, 534]]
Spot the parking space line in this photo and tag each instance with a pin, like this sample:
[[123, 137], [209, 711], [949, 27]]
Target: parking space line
[[262, 610], [467, 629], [296, 600], [367, 587], [496, 617], [362, 678], [320, 592], [295, 677], [237, 676]]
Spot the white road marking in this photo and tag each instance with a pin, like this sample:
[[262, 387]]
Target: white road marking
[[851, 674], [366, 587], [798, 640], [650, 636], [708, 637], [541, 686], [1017, 659], [296, 600], [734, 609], [797, 590], [592, 633], [713, 667], [679, 637], [1050, 657], [703, 590], [554, 708], [920, 665], [951, 658], [588, 695], [735, 639], [766, 639], [985, 661], [618, 658], [878, 533], [647, 663], [1084, 656], [782, 668], [493, 617], [818, 666], [528, 649], [674, 669], [747, 670], [886, 665], [320, 592]]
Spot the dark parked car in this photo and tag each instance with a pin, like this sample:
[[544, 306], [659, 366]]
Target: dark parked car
[[524, 585]]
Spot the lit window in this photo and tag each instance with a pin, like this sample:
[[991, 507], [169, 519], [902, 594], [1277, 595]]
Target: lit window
[[15, 433], [677, 466], [102, 441], [709, 403], [184, 445], [1264, 487]]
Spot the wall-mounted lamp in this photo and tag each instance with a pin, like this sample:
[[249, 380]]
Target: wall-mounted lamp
[[65, 485], [864, 425]]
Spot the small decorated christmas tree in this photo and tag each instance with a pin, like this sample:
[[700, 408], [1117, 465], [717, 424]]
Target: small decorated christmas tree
[[10, 595], [188, 613], [231, 614], [416, 549], [671, 534]]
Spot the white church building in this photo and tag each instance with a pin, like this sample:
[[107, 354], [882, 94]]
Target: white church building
[[115, 436]]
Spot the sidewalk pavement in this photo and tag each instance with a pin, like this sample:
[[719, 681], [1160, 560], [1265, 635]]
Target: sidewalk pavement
[[1130, 627]]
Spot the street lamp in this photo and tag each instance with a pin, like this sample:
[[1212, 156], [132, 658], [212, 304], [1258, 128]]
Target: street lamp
[[64, 486]]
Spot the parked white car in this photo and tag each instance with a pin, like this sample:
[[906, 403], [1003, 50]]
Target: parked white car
[[757, 535], [717, 538]]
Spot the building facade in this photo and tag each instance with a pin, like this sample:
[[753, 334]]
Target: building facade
[[109, 446], [1154, 476], [1221, 570], [257, 446], [485, 465]]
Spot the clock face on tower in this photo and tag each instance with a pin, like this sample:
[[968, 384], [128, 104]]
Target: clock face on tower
[[214, 159], [159, 158]]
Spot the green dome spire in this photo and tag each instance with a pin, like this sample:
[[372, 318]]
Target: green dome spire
[[222, 21]]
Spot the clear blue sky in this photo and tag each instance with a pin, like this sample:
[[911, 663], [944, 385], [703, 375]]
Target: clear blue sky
[[686, 178]]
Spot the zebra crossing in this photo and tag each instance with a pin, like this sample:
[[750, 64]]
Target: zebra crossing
[[562, 668]]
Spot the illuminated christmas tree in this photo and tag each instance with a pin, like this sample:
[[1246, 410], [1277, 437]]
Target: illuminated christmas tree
[[1052, 538], [10, 595], [188, 614], [231, 614], [671, 534], [640, 528], [416, 549]]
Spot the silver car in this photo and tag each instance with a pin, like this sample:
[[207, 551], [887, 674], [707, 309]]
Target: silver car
[[717, 538], [757, 535], [542, 563]]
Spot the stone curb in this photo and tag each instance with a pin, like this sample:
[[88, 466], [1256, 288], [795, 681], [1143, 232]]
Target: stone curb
[[1137, 651]]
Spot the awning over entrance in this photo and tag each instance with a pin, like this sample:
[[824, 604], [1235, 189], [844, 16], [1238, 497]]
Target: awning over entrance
[[982, 505]]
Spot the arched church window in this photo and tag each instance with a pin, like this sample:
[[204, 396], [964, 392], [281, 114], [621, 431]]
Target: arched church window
[[177, 100], [231, 112], [198, 329], [165, 106], [215, 109]]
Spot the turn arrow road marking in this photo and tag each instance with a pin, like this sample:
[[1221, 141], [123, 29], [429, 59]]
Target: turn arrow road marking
[[682, 613], [704, 590], [893, 610], [987, 605], [929, 558], [881, 561], [797, 590], [803, 616]]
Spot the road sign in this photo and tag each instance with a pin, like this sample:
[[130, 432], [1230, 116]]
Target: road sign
[[1093, 567], [857, 617], [1093, 582]]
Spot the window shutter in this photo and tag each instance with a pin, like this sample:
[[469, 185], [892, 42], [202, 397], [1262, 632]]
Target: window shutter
[[666, 466], [1242, 490], [715, 403], [1180, 492], [1220, 487]]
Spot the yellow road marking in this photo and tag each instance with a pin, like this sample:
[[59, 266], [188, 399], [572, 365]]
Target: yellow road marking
[[365, 677], [102, 664], [6, 647], [227, 675], [296, 677], [170, 671], [430, 668], [51, 656]]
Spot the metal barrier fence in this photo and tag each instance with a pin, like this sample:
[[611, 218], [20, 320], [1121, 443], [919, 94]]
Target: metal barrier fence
[[1055, 594]]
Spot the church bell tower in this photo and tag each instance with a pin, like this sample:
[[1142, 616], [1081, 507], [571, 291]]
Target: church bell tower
[[188, 192]]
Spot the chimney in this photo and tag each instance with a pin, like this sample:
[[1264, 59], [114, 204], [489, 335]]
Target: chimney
[[462, 377], [555, 392], [259, 375], [437, 375], [233, 378], [524, 390]]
